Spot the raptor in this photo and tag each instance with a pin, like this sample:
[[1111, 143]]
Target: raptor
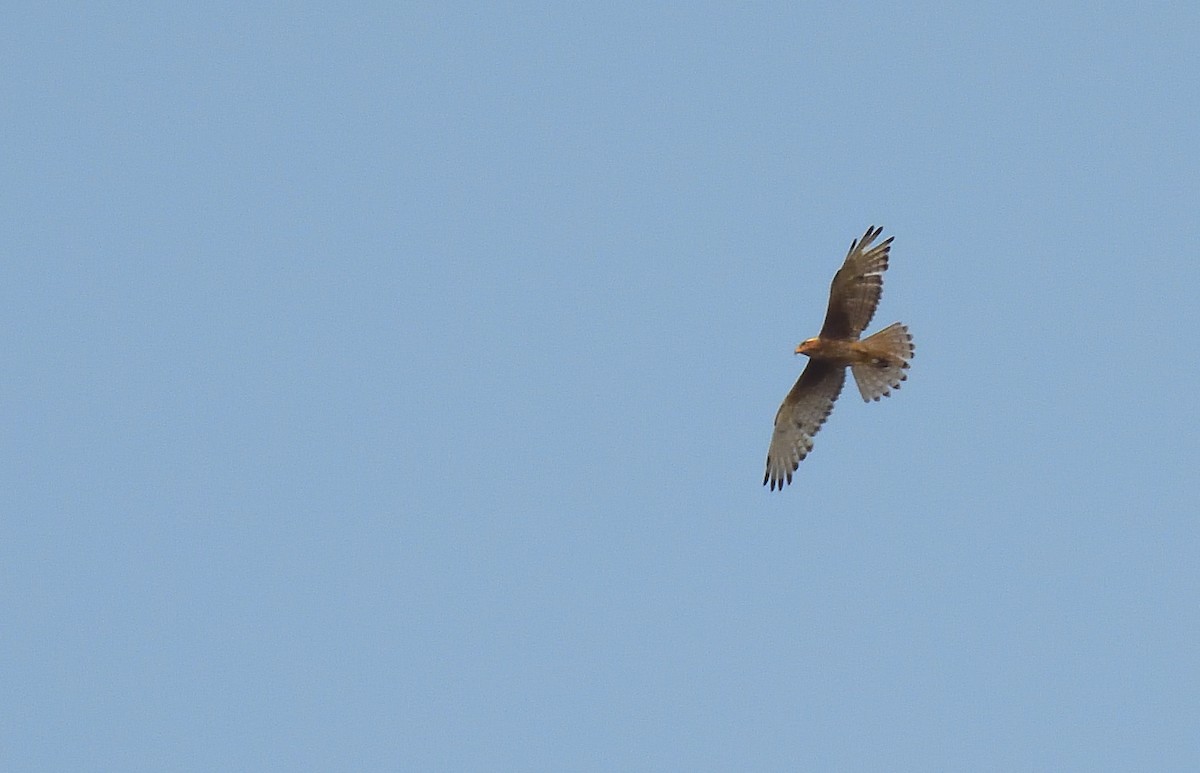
[[879, 362]]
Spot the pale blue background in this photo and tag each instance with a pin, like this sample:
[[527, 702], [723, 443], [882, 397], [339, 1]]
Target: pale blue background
[[387, 387]]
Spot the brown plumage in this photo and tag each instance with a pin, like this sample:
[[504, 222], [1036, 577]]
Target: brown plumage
[[879, 362]]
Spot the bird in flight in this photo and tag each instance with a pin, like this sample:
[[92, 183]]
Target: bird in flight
[[879, 362]]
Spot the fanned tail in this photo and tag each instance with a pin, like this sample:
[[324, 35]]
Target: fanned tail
[[890, 350]]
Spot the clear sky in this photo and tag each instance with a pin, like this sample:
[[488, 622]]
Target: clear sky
[[388, 387]]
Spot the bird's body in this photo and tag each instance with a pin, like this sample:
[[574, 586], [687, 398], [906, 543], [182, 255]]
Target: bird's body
[[843, 352], [878, 362]]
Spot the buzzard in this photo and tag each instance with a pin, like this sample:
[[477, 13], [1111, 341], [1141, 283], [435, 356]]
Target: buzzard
[[879, 362]]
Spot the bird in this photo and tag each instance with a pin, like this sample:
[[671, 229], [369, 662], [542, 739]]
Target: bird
[[879, 362]]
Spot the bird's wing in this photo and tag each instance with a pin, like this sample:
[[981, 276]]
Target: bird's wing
[[856, 287], [803, 412]]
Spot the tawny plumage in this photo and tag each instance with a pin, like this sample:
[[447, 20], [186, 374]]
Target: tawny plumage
[[879, 362]]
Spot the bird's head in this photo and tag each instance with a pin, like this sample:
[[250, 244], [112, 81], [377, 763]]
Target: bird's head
[[806, 346]]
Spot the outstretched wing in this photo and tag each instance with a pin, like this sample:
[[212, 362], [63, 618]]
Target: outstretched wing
[[856, 287], [803, 412]]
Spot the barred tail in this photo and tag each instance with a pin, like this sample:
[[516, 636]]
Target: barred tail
[[890, 350]]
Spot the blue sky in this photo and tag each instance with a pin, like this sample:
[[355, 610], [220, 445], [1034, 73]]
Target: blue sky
[[388, 388]]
